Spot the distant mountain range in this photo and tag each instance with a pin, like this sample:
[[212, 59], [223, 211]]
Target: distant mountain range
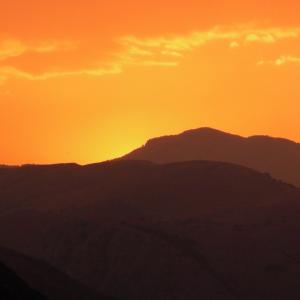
[[140, 230], [277, 156]]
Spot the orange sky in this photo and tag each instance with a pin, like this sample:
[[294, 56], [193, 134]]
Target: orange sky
[[86, 81]]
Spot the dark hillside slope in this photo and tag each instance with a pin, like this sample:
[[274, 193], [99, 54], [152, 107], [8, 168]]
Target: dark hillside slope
[[46, 279], [12, 287], [139, 230]]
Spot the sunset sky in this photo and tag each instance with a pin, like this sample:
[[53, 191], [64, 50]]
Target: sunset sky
[[85, 81]]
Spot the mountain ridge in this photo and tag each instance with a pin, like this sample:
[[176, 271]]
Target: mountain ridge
[[141, 230], [278, 156], [211, 130]]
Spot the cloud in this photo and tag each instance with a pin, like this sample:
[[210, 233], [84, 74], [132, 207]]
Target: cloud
[[234, 44], [8, 72], [13, 47], [281, 61], [263, 38], [171, 49], [152, 63], [272, 35], [161, 51], [53, 46]]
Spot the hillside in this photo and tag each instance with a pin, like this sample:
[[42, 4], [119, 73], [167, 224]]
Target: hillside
[[45, 279], [12, 287], [139, 230], [277, 156]]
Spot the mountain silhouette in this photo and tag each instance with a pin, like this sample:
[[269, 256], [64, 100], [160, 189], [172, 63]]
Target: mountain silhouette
[[141, 230], [277, 156], [49, 281], [12, 287]]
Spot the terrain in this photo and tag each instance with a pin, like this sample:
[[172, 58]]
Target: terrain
[[12, 287], [141, 230], [47, 280], [277, 156]]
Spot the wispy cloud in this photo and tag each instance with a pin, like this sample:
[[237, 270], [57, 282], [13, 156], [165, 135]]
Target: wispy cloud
[[7, 72], [175, 47], [161, 51], [281, 61], [13, 47]]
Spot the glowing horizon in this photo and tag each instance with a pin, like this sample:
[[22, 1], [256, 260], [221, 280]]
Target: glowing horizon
[[89, 81]]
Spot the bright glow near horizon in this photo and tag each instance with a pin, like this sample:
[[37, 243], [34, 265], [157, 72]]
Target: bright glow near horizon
[[87, 81]]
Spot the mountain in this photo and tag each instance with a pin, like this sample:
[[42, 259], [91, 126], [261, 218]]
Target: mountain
[[12, 287], [42, 277], [139, 230], [277, 156]]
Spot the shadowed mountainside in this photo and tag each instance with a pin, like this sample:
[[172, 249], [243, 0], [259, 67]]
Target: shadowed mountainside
[[46, 279], [139, 230], [12, 287], [277, 156]]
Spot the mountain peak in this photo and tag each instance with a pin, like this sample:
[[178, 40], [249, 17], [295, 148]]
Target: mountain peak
[[278, 156], [202, 132], [207, 130]]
